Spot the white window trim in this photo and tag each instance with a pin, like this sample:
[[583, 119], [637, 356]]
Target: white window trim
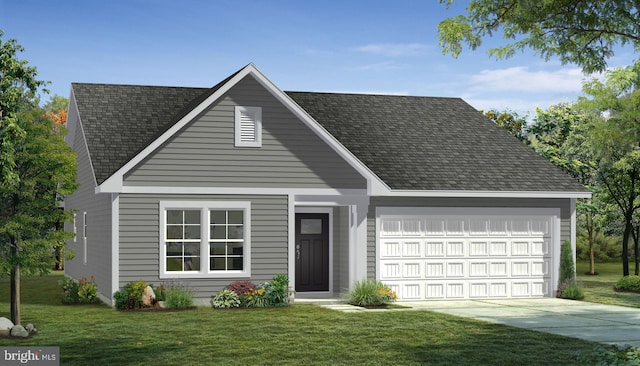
[[204, 207], [84, 237], [255, 111]]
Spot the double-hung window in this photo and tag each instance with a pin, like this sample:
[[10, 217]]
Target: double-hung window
[[205, 239]]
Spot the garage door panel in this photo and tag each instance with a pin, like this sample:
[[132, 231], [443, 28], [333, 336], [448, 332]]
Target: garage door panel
[[426, 257]]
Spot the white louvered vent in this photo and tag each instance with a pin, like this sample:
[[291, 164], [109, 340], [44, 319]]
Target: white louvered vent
[[248, 121]]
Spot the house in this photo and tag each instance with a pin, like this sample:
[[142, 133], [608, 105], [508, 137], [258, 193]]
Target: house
[[244, 181]]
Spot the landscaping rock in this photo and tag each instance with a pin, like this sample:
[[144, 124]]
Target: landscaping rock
[[149, 297], [6, 324], [19, 331], [29, 327]]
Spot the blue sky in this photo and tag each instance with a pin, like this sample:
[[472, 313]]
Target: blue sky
[[337, 46]]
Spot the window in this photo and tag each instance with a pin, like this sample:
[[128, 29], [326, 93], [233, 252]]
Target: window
[[205, 239], [84, 236], [75, 229], [248, 126]]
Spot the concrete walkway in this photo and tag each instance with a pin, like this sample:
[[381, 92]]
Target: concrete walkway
[[578, 319]]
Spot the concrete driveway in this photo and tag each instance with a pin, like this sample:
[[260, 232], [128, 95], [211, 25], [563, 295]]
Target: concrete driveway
[[578, 319]]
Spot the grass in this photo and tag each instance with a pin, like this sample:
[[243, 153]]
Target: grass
[[599, 288], [298, 334]]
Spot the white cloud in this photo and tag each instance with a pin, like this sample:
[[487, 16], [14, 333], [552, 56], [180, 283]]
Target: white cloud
[[393, 49], [521, 79]]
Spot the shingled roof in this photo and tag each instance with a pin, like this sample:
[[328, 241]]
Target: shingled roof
[[427, 143], [410, 143]]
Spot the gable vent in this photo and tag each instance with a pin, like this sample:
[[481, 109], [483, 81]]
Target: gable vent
[[248, 121]]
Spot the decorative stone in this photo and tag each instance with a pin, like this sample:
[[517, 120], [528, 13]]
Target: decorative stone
[[149, 297], [6, 324], [19, 331], [161, 305], [29, 327]]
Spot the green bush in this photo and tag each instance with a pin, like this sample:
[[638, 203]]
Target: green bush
[[277, 290], [161, 292], [136, 290], [179, 297], [572, 291], [69, 290], [371, 293], [122, 299], [88, 291], [567, 265], [629, 283], [256, 298], [225, 299]]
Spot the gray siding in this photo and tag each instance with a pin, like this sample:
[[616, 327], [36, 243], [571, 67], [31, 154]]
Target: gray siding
[[340, 249], [563, 204], [140, 246], [98, 208], [203, 154]]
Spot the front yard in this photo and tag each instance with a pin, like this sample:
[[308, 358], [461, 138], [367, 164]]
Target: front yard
[[599, 288], [299, 334]]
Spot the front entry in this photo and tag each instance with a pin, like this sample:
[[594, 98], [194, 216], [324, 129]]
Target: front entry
[[312, 252]]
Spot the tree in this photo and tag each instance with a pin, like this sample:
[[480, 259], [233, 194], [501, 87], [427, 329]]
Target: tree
[[37, 169], [581, 32], [614, 108], [510, 121], [56, 104]]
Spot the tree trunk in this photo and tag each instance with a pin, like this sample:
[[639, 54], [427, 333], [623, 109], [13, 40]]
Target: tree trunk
[[592, 254], [625, 245], [15, 284]]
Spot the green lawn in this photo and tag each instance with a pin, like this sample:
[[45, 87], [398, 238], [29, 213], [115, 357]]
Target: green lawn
[[599, 288], [299, 334]]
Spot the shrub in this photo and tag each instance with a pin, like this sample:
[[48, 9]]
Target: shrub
[[161, 292], [87, 290], [370, 292], [629, 283], [241, 287], [136, 290], [179, 297], [225, 299], [277, 290], [256, 298], [69, 290], [571, 290], [567, 266], [122, 299]]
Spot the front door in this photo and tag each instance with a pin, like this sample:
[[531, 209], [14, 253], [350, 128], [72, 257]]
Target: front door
[[312, 252]]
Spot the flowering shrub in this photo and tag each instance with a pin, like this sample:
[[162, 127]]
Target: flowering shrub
[[225, 299], [256, 298], [371, 293], [83, 292], [278, 291], [87, 290], [241, 287]]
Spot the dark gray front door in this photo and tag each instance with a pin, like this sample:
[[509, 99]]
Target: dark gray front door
[[312, 252]]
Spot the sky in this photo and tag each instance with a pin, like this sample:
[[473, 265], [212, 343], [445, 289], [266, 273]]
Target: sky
[[352, 46]]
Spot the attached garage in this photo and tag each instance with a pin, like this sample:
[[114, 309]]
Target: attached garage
[[464, 253]]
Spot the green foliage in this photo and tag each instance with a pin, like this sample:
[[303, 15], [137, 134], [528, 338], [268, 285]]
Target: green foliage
[[256, 298], [225, 299], [122, 299], [83, 292], [179, 297], [610, 355], [136, 290], [56, 104], [584, 33], [510, 121], [88, 291], [371, 293], [278, 290], [573, 290], [69, 290], [161, 292], [629, 283], [606, 248], [567, 265]]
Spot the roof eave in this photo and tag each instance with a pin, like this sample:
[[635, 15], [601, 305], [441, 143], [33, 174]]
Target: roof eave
[[486, 194]]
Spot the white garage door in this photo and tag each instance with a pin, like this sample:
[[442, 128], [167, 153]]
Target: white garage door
[[424, 257]]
